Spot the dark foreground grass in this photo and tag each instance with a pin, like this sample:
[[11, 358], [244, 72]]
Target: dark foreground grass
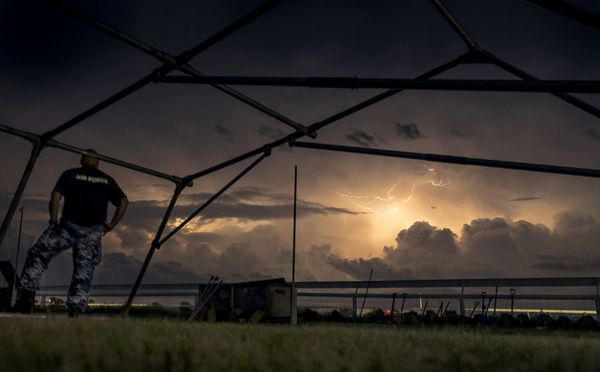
[[60, 344]]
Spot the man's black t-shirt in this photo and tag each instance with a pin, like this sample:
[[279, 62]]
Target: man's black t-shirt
[[87, 191]]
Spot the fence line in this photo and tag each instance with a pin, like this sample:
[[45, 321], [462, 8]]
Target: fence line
[[384, 294]]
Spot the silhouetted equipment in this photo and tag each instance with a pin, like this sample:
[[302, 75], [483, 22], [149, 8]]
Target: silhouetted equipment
[[267, 300], [487, 308], [446, 309], [474, 307], [495, 300], [512, 300], [483, 294], [205, 294], [440, 313], [13, 281], [393, 305], [404, 295], [366, 292], [9, 273]]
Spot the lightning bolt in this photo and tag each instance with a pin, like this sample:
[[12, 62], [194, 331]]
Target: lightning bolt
[[438, 184], [374, 198], [388, 197]]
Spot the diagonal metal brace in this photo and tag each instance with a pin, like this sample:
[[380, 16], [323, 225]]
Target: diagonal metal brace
[[213, 198], [571, 11], [471, 44], [480, 55], [180, 62]]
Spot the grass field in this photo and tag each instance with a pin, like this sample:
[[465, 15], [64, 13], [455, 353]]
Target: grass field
[[93, 344]]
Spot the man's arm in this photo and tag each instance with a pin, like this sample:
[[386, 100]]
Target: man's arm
[[53, 207], [121, 208]]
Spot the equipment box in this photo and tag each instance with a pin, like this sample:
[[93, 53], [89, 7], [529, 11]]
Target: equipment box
[[265, 300]]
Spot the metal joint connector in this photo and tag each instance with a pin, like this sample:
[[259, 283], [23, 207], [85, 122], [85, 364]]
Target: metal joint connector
[[39, 143], [267, 150], [157, 75], [183, 58], [475, 55], [291, 140], [354, 84], [187, 182]]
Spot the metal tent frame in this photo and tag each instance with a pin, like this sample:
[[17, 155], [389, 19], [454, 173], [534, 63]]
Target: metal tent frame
[[475, 54]]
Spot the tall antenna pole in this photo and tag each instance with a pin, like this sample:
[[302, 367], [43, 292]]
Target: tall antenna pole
[[293, 307]]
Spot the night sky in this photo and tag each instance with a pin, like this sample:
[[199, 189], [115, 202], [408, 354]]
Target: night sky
[[404, 219]]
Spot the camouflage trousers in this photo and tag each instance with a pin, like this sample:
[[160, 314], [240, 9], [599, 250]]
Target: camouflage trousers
[[87, 253]]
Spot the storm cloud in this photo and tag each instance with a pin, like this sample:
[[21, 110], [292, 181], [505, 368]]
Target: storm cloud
[[224, 133], [500, 247], [363, 139], [270, 132], [408, 131]]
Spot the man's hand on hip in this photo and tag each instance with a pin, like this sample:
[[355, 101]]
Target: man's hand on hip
[[108, 227]]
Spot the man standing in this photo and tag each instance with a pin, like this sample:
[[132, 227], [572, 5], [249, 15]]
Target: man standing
[[87, 191]]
